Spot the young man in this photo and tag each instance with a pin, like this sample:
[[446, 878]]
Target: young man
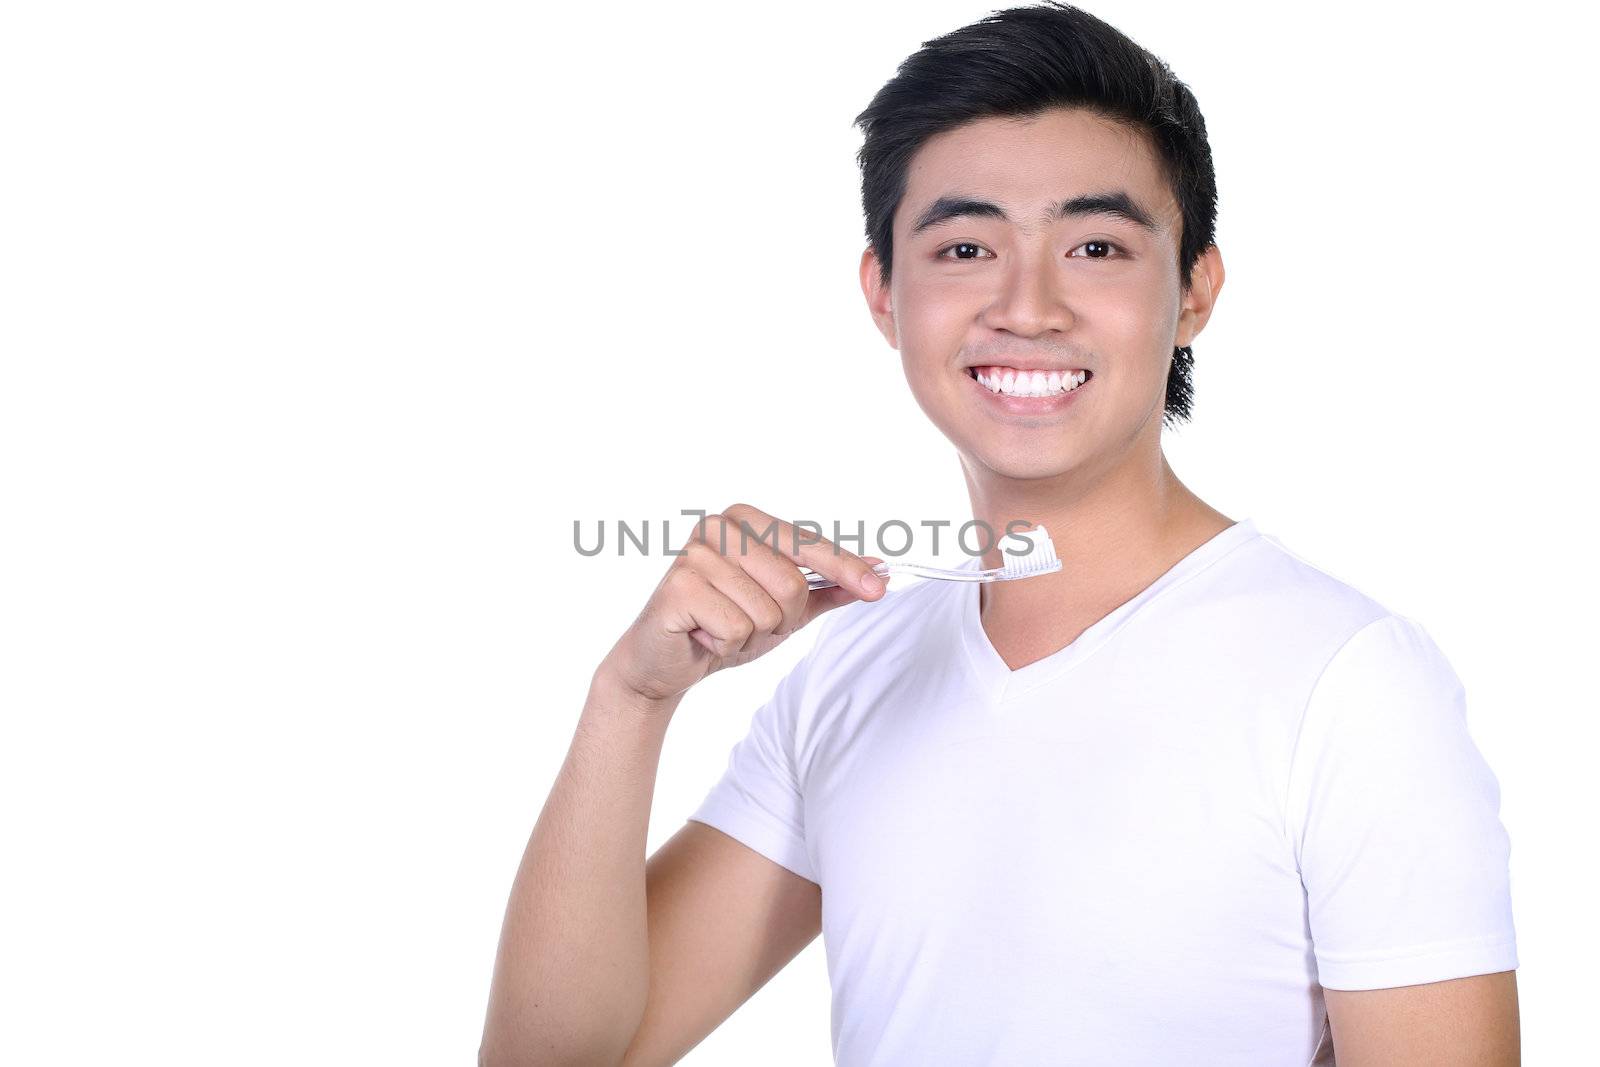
[[1187, 800]]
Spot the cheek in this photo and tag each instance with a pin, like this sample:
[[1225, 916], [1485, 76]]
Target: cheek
[[933, 322], [1133, 320], [931, 333]]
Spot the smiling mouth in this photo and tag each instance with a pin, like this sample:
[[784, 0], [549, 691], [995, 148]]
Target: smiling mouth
[[1008, 381]]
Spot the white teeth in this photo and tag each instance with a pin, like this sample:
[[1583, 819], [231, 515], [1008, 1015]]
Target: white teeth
[[1030, 383]]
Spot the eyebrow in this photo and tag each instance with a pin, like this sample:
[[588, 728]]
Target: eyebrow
[[1116, 203]]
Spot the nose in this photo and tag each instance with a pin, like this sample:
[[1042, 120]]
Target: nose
[[1031, 297]]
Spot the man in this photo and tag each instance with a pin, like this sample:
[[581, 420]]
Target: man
[[1188, 800]]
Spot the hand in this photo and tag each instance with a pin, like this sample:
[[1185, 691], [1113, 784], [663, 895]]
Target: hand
[[727, 601]]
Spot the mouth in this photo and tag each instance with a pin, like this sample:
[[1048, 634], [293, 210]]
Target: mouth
[[1029, 384]]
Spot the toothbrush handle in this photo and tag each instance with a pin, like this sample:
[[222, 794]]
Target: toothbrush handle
[[822, 581], [946, 574]]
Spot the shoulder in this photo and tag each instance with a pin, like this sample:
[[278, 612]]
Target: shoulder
[[1283, 577], [1271, 597], [1390, 663], [1284, 620]]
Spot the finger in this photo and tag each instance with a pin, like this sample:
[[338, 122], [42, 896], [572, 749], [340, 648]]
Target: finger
[[786, 585], [784, 582], [780, 578], [732, 576], [748, 535], [696, 604], [806, 548]]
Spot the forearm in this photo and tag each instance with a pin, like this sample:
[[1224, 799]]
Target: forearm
[[572, 973]]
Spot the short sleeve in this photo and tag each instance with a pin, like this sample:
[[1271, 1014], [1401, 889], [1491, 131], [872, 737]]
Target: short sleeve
[[758, 799], [1395, 820]]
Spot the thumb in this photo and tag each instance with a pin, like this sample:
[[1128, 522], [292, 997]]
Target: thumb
[[826, 599]]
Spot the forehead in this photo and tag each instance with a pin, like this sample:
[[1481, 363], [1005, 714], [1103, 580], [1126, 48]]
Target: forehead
[[1027, 163]]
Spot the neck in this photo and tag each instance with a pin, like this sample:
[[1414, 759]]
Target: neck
[[1114, 531]]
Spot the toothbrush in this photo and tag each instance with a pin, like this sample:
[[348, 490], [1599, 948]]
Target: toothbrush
[[1039, 559]]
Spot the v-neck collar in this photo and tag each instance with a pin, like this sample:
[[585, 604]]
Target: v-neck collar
[[1003, 683]]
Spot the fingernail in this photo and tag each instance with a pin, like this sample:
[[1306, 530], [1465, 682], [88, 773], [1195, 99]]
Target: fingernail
[[871, 583]]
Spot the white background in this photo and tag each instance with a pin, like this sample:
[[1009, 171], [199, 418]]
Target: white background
[[324, 321]]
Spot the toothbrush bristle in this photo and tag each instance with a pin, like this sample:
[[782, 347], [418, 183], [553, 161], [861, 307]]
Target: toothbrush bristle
[[1041, 557]]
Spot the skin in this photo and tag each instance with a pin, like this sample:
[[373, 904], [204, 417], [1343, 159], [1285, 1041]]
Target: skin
[[1465, 1022], [975, 289], [605, 958], [1095, 476]]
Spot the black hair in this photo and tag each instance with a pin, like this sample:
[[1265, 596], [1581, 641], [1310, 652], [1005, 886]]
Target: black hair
[[1019, 62]]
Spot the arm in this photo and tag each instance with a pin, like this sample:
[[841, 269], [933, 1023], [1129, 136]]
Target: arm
[[640, 972], [723, 920], [1394, 814], [571, 973], [1463, 1022], [603, 958]]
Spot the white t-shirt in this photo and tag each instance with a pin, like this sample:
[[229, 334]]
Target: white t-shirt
[[1155, 846]]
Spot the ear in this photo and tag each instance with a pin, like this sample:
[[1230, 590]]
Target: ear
[[1205, 282], [879, 302]]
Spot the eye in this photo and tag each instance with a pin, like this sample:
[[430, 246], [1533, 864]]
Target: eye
[[960, 244], [1098, 243], [1099, 249]]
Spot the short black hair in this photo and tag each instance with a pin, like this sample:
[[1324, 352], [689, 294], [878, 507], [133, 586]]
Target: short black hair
[[1019, 62]]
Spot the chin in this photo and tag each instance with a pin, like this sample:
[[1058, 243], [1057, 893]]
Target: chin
[[1026, 465]]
